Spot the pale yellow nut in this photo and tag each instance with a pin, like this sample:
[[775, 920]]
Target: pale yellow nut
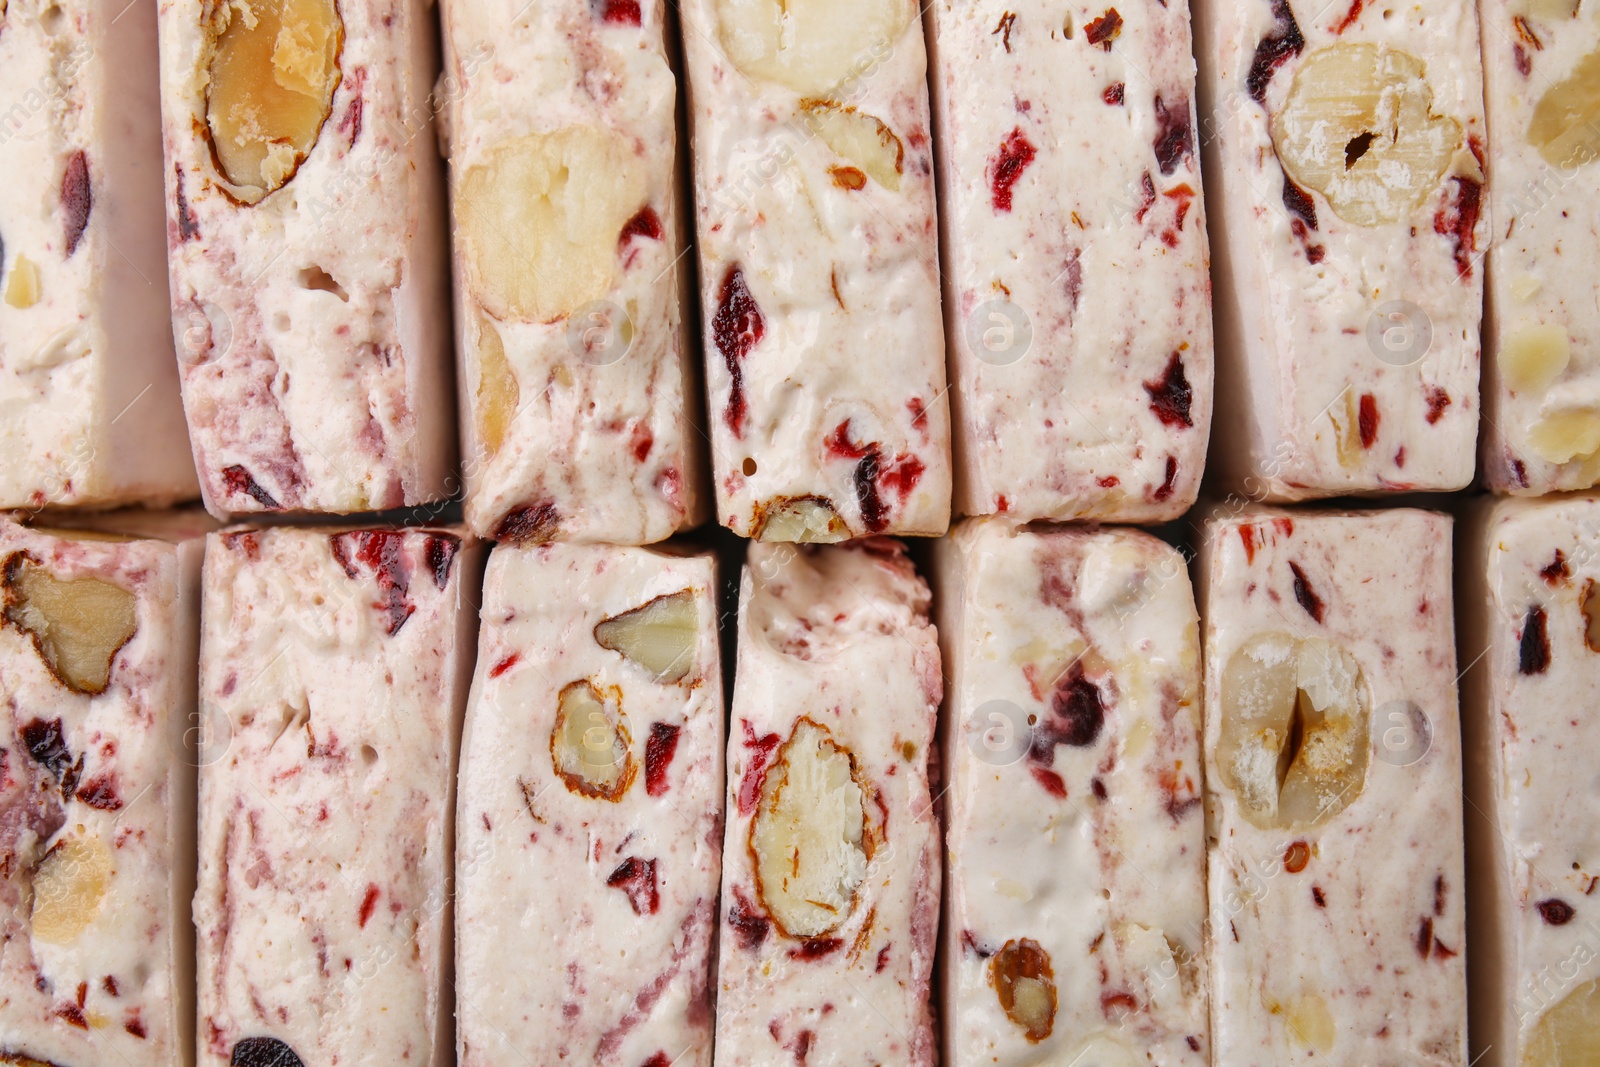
[[804, 520], [540, 217], [274, 66], [22, 285], [1565, 127], [1568, 1035], [811, 46], [1525, 287], [1533, 357], [809, 834], [69, 888], [1296, 730], [858, 137], [77, 625], [659, 636], [591, 745], [1309, 1024], [1555, 10], [1564, 435], [1024, 983], [1359, 127], [498, 394]]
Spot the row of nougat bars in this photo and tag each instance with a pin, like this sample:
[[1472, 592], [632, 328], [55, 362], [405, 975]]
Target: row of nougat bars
[[305, 232], [1090, 811]]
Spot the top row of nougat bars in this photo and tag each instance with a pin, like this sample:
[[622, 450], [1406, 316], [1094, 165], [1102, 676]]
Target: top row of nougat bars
[[1065, 371]]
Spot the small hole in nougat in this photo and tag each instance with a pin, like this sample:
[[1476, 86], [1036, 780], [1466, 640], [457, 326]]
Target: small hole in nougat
[[369, 755], [749, 467], [317, 278], [51, 19]]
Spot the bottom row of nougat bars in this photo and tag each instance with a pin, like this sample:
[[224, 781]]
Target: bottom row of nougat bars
[[1125, 880]]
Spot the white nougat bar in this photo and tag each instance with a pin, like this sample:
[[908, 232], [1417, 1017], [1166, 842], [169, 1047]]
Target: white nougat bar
[[90, 411], [334, 667], [590, 810], [830, 873], [578, 384], [1541, 62], [1530, 614], [1075, 838], [1344, 151], [306, 244], [1077, 301], [1333, 789], [97, 779], [819, 268]]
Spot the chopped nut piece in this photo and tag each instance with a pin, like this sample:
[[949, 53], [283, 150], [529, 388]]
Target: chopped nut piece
[[1025, 983], [1566, 121], [659, 636], [809, 834], [1309, 1024], [806, 520], [812, 45], [1359, 127], [861, 138], [22, 287], [590, 744], [68, 888], [539, 217], [274, 69], [1295, 730], [1563, 435], [498, 393], [1534, 357], [77, 626], [1568, 1035]]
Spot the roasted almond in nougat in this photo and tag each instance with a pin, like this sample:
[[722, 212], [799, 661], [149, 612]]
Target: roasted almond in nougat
[[1070, 166], [1333, 788], [97, 651], [89, 404], [830, 872], [577, 384], [814, 199], [1345, 174], [306, 241], [1075, 836], [334, 667], [1541, 63], [590, 812], [1530, 608]]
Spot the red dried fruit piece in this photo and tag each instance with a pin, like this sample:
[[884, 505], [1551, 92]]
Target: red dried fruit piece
[[1350, 16], [1458, 220], [1006, 167], [873, 513], [1050, 781], [533, 525], [1024, 983], [1113, 94], [239, 480], [369, 904], [47, 745], [1533, 650], [100, 792], [1077, 714], [188, 225], [1304, 594], [658, 753], [762, 750], [749, 926], [1169, 480], [1589, 607], [379, 551], [1438, 400], [1367, 420], [1274, 50], [815, 948], [737, 327], [1299, 204], [1174, 135], [76, 199], [1171, 394], [1556, 571], [440, 552], [1105, 29], [1296, 856], [619, 12], [646, 223], [637, 878], [1556, 912]]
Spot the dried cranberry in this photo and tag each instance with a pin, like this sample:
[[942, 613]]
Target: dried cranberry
[[637, 878], [1304, 594], [737, 327], [1533, 652], [76, 199], [1171, 394], [1273, 50], [1556, 912], [1006, 167], [658, 753], [239, 480]]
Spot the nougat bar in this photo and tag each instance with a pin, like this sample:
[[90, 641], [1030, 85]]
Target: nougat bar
[[590, 812], [830, 873], [334, 667], [1075, 836]]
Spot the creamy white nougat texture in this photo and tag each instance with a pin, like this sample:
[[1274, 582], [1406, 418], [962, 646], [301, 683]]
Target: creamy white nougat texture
[[97, 802], [1337, 923], [1344, 148], [312, 322], [819, 268], [1075, 839], [333, 673], [1541, 62], [587, 899], [90, 412], [830, 874], [1530, 607], [578, 384], [1078, 306]]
